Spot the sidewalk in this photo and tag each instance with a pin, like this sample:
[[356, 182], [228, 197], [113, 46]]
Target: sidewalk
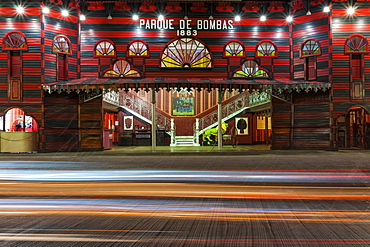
[[240, 150]]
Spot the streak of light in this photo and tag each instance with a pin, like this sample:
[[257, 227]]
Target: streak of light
[[170, 209], [57, 237], [204, 176]]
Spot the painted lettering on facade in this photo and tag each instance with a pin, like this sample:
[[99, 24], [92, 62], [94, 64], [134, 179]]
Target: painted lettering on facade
[[186, 27]]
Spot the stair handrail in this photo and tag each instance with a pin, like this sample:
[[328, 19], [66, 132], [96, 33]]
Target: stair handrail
[[137, 107], [233, 108]]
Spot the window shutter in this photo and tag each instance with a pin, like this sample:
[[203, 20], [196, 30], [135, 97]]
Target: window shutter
[[62, 72], [310, 68], [356, 66], [15, 90], [15, 61]]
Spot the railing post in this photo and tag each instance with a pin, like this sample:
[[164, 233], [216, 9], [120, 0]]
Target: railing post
[[173, 133], [196, 141], [219, 119], [154, 122]]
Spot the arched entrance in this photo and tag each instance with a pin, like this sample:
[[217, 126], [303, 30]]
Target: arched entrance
[[354, 129]]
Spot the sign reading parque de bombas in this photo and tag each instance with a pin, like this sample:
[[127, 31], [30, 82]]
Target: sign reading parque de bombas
[[186, 27]]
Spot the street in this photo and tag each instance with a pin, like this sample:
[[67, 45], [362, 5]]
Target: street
[[270, 199]]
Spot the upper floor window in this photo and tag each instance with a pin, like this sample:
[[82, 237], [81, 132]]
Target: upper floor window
[[310, 47], [14, 41], [266, 48], [234, 48], [121, 68], [249, 70], [105, 48], [356, 43], [137, 48], [186, 53], [61, 44]]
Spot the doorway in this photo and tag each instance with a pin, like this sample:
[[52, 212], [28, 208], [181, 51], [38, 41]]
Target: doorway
[[354, 129]]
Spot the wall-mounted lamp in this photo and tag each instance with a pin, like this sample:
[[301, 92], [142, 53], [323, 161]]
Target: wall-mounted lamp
[[20, 10], [65, 13], [350, 11], [326, 9]]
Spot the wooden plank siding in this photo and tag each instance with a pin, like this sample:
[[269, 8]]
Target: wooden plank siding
[[311, 121], [281, 115], [121, 30], [306, 27], [91, 125], [61, 122], [342, 28], [55, 24]]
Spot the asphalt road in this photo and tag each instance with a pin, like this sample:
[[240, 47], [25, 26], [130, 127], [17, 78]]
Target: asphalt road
[[271, 199]]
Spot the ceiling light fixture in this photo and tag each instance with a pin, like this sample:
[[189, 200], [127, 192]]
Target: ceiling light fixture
[[326, 9], [135, 17], [289, 19], [237, 18], [263, 18]]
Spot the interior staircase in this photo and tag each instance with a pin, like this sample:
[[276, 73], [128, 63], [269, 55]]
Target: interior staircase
[[184, 141]]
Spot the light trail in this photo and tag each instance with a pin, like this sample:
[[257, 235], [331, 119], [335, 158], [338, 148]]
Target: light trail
[[186, 176]]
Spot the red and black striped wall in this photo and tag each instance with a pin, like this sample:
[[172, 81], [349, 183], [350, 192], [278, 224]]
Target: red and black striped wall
[[344, 26], [121, 30]]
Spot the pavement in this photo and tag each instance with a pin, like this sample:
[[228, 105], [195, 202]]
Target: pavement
[[195, 151]]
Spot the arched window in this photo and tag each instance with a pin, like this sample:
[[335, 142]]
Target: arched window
[[186, 53], [309, 50], [121, 68], [310, 47], [266, 48], [16, 120], [234, 48], [356, 46], [249, 70], [14, 41], [104, 48], [356, 43], [62, 46], [137, 48]]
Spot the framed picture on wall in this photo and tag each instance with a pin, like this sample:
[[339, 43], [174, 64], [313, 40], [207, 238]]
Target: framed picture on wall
[[182, 106], [242, 125], [128, 122]]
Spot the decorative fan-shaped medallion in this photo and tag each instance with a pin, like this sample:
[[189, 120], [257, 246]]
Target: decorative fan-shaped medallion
[[15, 40], [356, 44], [62, 45], [138, 49], [105, 48], [250, 69], [234, 49], [266, 49], [310, 48], [186, 53], [121, 68]]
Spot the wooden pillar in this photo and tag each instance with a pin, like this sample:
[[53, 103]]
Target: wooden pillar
[[154, 122]]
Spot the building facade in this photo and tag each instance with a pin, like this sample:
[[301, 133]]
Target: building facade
[[79, 75]]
